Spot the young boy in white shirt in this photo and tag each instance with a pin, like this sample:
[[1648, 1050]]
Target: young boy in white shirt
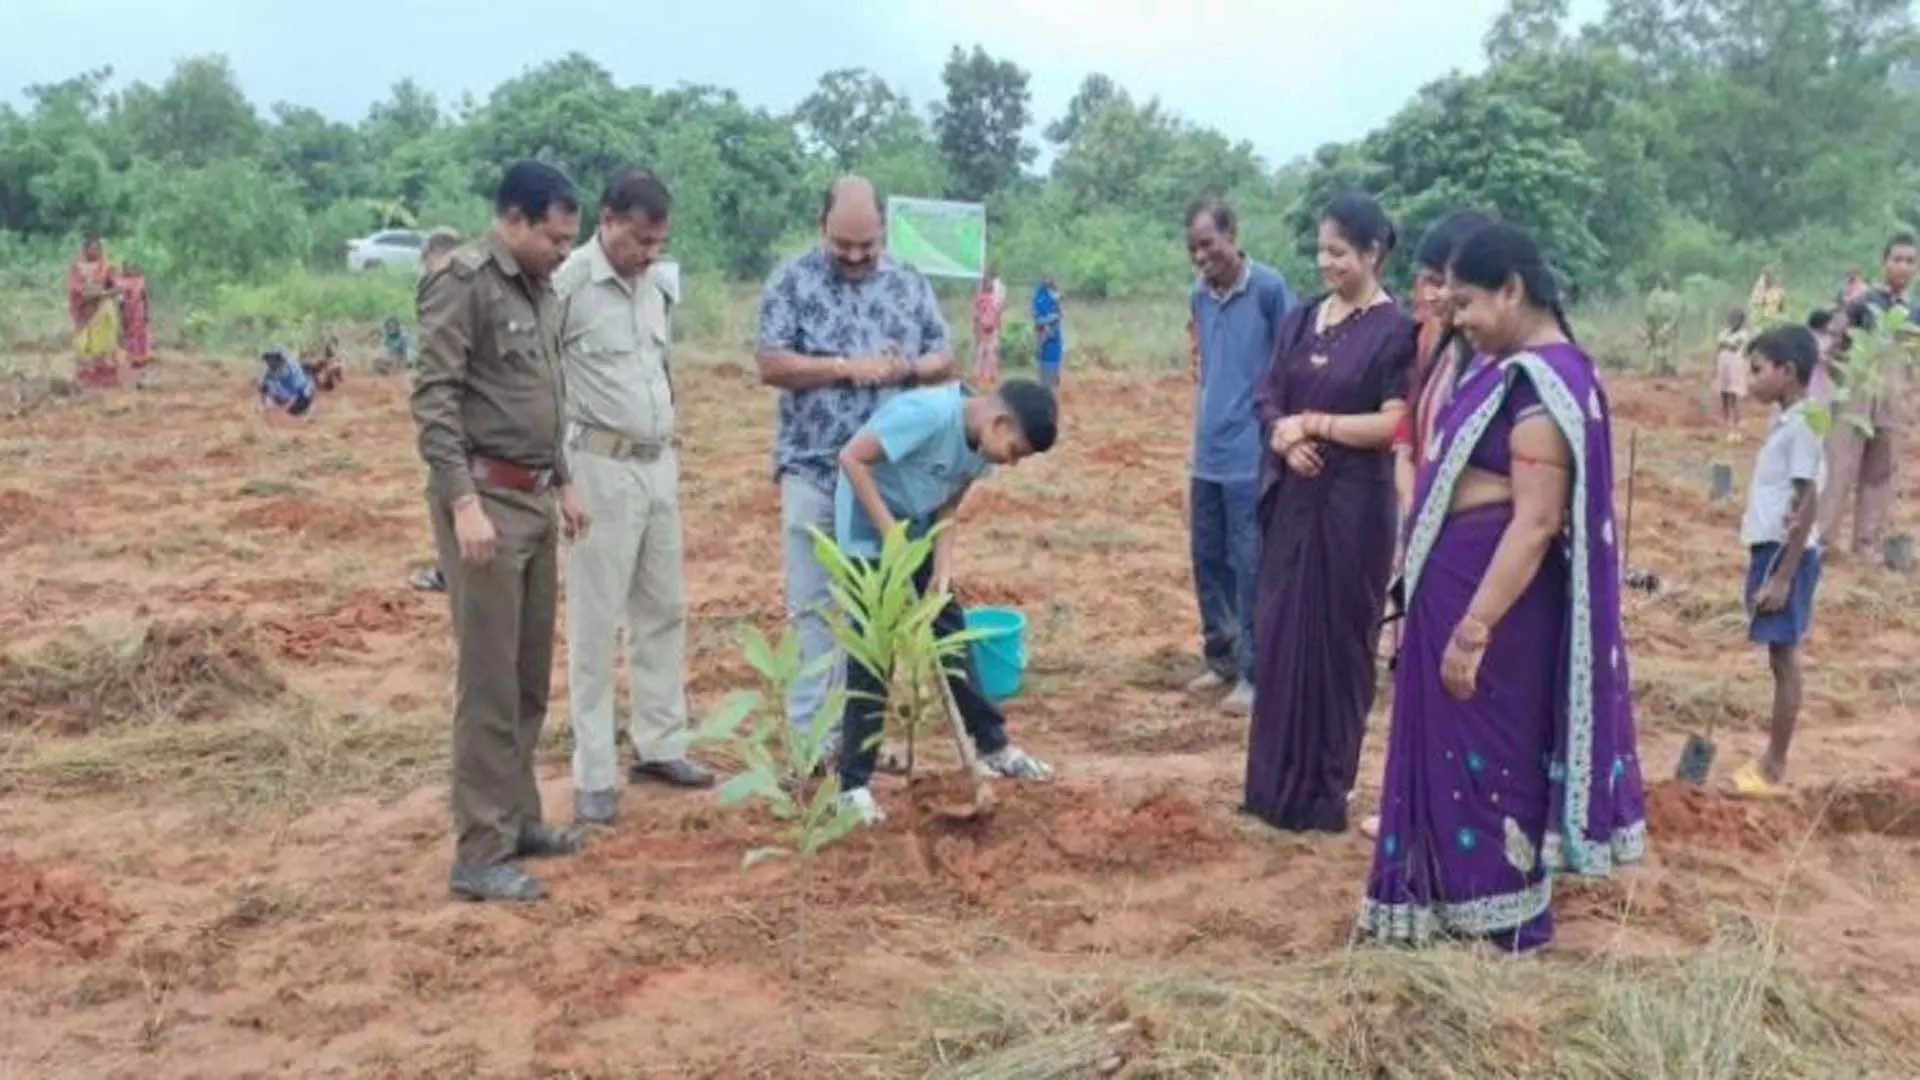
[[1781, 536]]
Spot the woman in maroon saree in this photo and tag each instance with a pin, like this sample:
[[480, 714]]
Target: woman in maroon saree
[[1331, 401], [1512, 755]]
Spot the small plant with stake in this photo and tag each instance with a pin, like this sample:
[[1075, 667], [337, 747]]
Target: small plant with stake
[[886, 625], [781, 768]]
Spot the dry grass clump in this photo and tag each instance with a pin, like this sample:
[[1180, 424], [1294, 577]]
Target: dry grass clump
[[192, 671], [1732, 1012]]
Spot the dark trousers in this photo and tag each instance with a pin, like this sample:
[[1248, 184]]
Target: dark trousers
[[865, 716], [1225, 532], [503, 618]]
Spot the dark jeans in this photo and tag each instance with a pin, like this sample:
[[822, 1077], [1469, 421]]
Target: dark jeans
[[865, 716], [1226, 558]]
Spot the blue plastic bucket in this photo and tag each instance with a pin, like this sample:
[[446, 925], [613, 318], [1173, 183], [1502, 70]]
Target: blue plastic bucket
[[1000, 654]]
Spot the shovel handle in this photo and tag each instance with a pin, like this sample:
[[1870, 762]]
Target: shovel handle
[[960, 737]]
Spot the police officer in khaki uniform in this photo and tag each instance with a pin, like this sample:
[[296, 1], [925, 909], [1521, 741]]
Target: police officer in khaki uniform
[[488, 405]]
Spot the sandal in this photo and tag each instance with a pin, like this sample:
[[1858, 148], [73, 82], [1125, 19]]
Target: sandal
[[1750, 782]]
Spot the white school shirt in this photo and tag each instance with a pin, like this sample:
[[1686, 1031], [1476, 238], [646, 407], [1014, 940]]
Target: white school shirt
[[1791, 452]]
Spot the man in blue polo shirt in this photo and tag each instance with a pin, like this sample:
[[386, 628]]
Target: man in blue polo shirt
[[1235, 307], [914, 461]]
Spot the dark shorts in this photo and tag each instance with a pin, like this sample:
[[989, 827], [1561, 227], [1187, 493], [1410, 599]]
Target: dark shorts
[[299, 406], [1788, 625]]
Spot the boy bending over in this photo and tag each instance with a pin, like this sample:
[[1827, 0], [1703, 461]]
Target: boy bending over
[[1782, 539], [914, 461]]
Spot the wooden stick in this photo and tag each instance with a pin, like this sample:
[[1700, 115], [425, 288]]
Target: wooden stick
[[960, 737]]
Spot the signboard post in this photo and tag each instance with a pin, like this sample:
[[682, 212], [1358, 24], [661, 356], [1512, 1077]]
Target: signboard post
[[938, 238]]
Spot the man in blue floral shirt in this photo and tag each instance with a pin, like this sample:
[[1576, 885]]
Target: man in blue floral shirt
[[842, 328]]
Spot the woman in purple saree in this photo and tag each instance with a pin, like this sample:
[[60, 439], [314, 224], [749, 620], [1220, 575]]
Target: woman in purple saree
[[1512, 754], [1333, 396]]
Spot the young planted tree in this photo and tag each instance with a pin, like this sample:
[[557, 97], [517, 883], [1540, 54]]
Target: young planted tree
[[1860, 376], [886, 625]]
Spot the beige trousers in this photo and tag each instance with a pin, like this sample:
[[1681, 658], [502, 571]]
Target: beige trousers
[[628, 571]]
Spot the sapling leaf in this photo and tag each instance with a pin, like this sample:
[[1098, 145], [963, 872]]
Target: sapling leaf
[[748, 785], [759, 654], [836, 827], [725, 720], [786, 658]]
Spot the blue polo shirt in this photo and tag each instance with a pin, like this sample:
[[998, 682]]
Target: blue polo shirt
[[926, 461], [1235, 334]]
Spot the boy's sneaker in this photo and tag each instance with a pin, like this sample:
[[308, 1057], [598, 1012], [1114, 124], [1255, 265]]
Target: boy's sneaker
[[1239, 700], [860, 799], [1016, 764], [1208, 683]]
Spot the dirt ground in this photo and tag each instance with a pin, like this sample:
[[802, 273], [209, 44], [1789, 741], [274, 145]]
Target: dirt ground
[[223, 730]]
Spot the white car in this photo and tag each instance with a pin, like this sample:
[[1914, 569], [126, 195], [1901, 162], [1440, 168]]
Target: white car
[[393, 248]]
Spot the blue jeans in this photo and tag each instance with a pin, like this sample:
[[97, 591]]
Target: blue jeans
[[1226, 556]]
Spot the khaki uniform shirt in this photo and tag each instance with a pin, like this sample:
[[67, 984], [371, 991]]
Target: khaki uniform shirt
[[490, 382], [614, 343]]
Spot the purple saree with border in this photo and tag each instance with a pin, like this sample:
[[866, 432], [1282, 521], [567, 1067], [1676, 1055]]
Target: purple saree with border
[[1485, 800]]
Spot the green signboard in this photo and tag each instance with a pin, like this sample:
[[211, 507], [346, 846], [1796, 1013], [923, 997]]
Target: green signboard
[[938, 238]]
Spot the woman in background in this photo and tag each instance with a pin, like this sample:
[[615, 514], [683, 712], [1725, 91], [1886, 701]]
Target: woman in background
[[93, 305], [989, 300], [1332, 398], [1512, 754], [135, 338]]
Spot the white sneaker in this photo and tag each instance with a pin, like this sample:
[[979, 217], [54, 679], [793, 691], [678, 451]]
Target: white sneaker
[[861, 800], [1207, 683], [1239, 700], [1370, 828], [1016, 764]]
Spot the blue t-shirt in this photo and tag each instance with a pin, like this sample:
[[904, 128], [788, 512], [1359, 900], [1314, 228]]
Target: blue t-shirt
[[287, 385], [1235, 335], [923, 441]]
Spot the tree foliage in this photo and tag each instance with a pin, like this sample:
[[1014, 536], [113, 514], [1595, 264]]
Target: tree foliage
[[1698, 137]]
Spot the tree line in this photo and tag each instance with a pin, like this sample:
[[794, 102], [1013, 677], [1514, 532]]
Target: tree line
[[1695, 137]]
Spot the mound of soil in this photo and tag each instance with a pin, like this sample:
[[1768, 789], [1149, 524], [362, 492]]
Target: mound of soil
[[1883, 807], [1034, 832], [1699, 816], [314, 519], [193, 670], [57, 909], [342, 627]]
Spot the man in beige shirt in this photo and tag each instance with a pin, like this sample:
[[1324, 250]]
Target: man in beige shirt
[[617, 300]]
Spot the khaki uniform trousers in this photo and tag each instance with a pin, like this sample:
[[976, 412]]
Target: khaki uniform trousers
[[503, 621]]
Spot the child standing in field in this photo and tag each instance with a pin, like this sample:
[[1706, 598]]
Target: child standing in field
[[914, 461], [1782, 539], [1730, 370], [285, 384]]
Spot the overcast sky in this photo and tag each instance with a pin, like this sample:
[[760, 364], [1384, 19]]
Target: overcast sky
[[1289, 75]]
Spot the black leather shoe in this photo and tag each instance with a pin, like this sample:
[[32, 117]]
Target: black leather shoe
[[502, 882], [679, 773], [540, 840]]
